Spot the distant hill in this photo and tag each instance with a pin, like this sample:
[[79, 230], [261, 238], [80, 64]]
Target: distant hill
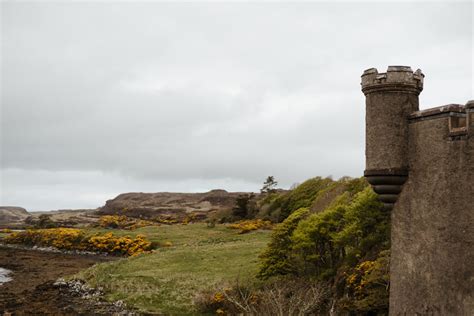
[[12, 215], [174, 205], [70, 217]]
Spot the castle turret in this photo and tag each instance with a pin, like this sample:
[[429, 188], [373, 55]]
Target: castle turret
[[390, 98]]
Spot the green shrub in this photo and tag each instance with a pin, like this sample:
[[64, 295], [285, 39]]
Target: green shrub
[[45, 221], [243, 206], [276, 257], [368, 286], [330, 245], [302, 196], [343, 233], [367, 226], [313, 242]]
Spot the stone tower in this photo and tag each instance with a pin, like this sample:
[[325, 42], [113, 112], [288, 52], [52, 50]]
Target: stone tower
[[390, 97], [421, 164]]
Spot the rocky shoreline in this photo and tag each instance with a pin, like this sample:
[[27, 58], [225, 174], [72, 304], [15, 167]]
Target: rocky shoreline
[[56, 250], [37, 286]]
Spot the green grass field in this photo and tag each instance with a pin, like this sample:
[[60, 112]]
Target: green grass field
[[167, 280]]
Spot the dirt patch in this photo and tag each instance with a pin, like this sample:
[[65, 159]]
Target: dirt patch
[[32, 290]]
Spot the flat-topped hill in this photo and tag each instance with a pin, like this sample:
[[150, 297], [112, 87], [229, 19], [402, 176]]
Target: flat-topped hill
[[167, 204], [12, 215]]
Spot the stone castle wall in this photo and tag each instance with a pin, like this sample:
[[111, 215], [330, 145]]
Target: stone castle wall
[[432, 254]]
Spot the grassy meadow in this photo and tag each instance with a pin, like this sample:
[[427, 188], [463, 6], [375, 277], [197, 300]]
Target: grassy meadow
[[191, 258], [329, 248]]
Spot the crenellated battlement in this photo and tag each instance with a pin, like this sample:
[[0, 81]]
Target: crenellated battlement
[[396, 79]]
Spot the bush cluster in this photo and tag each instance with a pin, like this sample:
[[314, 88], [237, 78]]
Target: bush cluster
[[278, 206], [114, 221], [345, 245], [131, 223], [124, 245], [61, 238], [366, 285], [168, 220], [245, 206], [249, 225], [276, 258], [42, 221], [76, 239], [123, 222], [279, 297]]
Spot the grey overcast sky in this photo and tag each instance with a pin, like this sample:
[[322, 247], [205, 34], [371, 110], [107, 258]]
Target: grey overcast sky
[[100, 98]]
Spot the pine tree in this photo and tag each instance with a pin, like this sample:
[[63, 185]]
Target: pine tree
[[269, 186]]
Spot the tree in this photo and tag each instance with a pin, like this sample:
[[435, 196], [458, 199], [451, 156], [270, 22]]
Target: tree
[[242, 205], [269, 186], [277, 257], [45, 221]]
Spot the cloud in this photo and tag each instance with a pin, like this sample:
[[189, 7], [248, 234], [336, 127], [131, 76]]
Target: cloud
[[170, 93]]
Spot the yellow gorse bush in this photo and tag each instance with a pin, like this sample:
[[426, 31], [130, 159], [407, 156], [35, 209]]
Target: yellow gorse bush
[[359, 279], [124, 245], [166, 220], [123, 222], [113, 221], [76, 239], [61, 238], [218, 297], [246, 226]]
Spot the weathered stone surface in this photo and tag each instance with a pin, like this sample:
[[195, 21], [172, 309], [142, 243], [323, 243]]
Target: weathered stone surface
[[390, 98], [432, 267], [432, 255]]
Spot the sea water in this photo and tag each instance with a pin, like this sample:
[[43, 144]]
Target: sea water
[[4, 275]]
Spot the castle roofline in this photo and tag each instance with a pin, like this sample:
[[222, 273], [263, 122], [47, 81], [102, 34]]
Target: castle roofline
[[442, 110]]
